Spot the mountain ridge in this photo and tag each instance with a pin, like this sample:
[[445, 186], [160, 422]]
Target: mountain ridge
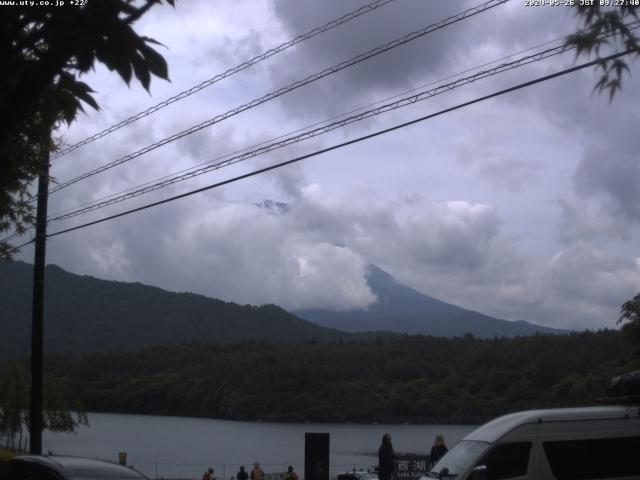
[[403, 309], [85, 314], [88, 314]]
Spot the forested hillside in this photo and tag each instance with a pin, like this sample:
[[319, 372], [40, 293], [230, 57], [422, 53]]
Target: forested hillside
[[86, 314], [415, 379]]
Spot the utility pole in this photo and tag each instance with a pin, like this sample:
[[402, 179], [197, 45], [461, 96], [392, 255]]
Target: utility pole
[[37, 312]]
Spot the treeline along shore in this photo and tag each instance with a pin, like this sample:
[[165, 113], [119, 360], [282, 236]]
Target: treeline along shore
[[406, 379]]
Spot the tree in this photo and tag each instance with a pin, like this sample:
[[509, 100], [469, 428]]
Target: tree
[[59, 403], [630, 311], [598, 21], [43, 50], [14, 404], [630, 317]]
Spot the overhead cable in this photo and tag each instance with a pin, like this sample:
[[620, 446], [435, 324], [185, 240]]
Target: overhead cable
[[232, 71], [270, 96], [403, 102], [303, 129], [340, 145], [198, 170], [631, 26]]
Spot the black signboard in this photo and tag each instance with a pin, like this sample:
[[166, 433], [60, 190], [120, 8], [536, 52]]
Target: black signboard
[[316, 456]]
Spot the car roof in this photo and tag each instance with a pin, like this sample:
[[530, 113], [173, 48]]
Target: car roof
[[79, 467], [357, 475], [495, 429]]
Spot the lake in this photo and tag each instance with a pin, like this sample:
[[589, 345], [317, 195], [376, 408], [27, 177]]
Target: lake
[[182, 447]]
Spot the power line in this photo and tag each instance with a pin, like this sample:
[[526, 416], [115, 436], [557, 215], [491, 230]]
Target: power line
[[270, 96], [232, 71], [11, 237], [632, 26], [265, 147], [403, 102], [198, 170], [341, 145], [342, 115]]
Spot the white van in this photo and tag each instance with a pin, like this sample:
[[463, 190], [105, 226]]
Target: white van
[[560, 444]]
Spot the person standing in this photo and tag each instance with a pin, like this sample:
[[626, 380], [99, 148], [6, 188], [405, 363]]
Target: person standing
[[256, 473], [242, 474], [437, 450], [290, 475], [208, 475], [386, 455]]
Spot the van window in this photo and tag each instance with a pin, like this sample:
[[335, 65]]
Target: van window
[[593, 459], [508, 460], [459, 458], [25, 471]]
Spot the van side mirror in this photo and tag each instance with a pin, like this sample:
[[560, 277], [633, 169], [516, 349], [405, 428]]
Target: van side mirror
[[443, 473], [479, 473]]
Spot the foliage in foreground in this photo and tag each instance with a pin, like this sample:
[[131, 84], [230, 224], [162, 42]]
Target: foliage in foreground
[[596, 21], [630, 318], [415, 379], [44, 49], [58, 403]]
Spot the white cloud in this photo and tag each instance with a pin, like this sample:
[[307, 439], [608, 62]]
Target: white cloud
[[470, 207], [453, 234]]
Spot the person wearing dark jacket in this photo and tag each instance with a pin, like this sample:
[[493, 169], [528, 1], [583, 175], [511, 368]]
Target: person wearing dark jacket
[[438, 450], [242, 474], [386, 456]]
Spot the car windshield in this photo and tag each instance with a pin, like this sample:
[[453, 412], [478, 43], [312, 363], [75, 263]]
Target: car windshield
[[367, 476], [107, 476], [459, 458]]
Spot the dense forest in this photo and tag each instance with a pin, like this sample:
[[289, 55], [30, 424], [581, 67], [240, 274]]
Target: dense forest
[[86, 314], [409, 379]]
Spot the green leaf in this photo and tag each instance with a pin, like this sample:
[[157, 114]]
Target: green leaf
[[83, 94], [141, 70], [85, 60], [123, 67], [613, 85], [155, 62], [601, 85], [620, 66], [151, 40]]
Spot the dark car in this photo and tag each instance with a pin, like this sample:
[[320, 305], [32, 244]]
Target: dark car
[[59, 467], [357, 475]]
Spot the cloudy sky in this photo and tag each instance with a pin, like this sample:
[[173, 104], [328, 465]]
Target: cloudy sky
[[526, 206]]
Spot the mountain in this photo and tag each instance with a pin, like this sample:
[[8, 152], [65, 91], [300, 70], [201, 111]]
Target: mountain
[[405, 310], [86, 314], [273, 207]]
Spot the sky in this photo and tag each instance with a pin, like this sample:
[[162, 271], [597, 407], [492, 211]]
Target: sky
[[524, 207]]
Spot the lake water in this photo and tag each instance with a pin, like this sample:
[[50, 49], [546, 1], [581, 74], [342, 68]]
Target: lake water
[[182, 447]]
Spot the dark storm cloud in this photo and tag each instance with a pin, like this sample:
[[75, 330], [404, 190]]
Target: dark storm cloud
[[605, 198], [454, 235], [613, 171], [232, 251], [230, 50], [455, 239], [590, 279], [583, 220], [511, 173], [389, 72], [433, 56]]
